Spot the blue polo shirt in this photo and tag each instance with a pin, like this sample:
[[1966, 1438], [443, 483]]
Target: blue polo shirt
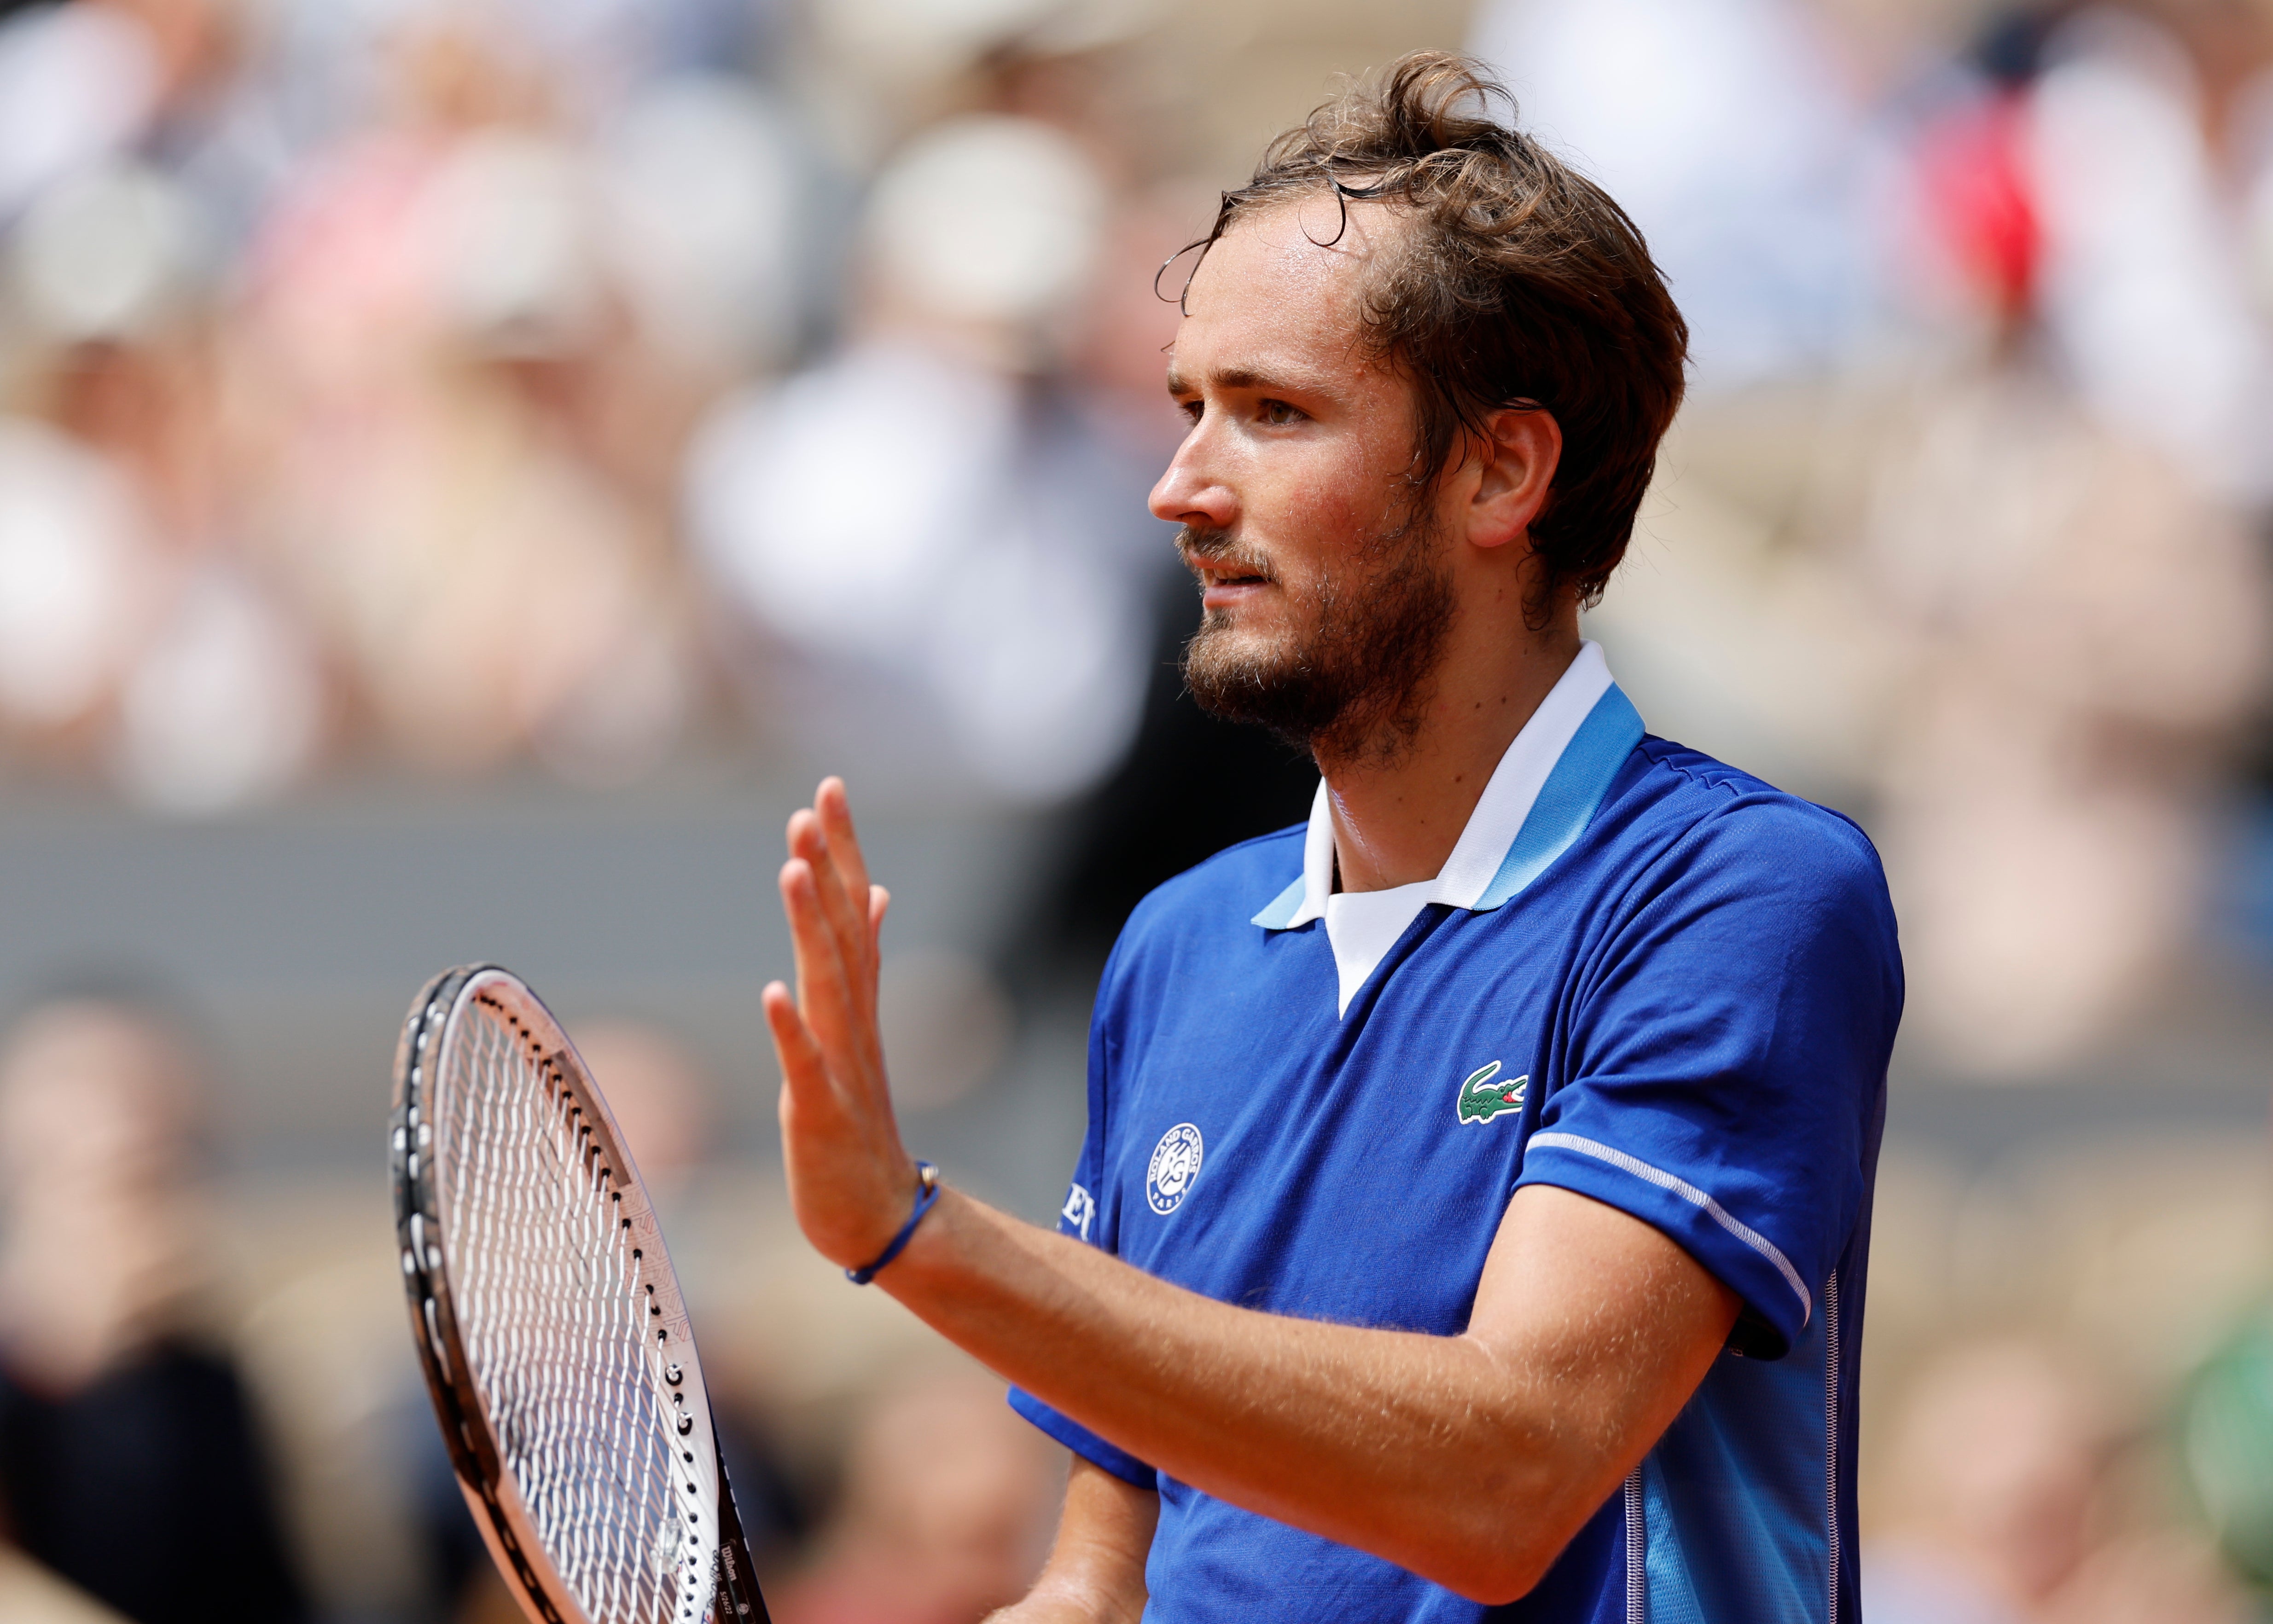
[[1642, 975]]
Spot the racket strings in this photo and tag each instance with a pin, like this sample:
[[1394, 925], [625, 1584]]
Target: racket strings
[[554, 1323]]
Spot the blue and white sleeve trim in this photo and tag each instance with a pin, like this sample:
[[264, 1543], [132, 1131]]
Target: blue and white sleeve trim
[[1688, 1192]]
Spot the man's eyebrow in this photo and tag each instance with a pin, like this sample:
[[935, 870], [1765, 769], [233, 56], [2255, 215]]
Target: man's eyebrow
[[1231, 378]]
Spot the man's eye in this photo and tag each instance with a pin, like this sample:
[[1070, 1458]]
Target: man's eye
[[1278, 413], [1190, 409]]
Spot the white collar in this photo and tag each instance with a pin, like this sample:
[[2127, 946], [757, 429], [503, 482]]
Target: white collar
[[1485, 868]]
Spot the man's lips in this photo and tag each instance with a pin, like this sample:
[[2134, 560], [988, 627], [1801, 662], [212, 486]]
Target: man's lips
[[1225, 576], [1223, 584]]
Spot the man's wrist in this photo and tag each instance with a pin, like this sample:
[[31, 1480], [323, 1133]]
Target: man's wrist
[[926, 1196]]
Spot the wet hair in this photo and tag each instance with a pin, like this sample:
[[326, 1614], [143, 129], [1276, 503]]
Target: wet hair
[[1518, 283]]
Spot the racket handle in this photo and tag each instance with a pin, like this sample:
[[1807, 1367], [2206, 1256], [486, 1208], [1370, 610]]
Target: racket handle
[[738, 1601]]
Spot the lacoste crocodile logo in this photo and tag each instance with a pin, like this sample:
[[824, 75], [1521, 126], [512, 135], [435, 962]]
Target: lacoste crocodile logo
[[1482, 1098]]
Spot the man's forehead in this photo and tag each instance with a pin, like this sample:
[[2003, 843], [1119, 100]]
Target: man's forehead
[[1303, 246], [1280, 294]]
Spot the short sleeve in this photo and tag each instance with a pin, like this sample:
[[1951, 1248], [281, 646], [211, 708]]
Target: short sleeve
[[1085, 1219], [1728, 1055], [1083, 1442]]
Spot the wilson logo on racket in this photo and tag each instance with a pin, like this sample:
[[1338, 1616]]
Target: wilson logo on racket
[[1481, 1099]]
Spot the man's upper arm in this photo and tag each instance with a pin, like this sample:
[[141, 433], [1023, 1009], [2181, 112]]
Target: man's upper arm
[[1691, 1182], [1728, 1057], [1609, 1323]]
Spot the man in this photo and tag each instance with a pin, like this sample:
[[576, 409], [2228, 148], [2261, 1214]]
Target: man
[[1473, 1211]]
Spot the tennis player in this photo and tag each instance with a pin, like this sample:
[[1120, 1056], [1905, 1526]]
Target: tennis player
[[1473, 1218]]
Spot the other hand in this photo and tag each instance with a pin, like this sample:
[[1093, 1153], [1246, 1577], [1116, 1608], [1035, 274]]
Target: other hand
[[851, 1182]]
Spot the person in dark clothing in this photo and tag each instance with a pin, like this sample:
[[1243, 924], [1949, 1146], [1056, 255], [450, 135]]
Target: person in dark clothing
[[130, 1463], [147, 1489]]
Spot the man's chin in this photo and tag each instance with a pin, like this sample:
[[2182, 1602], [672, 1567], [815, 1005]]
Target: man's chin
[[1239, 674], [1232, 640]]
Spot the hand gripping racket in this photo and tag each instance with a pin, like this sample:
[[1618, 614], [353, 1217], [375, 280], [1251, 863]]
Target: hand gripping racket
[[553, 1336]]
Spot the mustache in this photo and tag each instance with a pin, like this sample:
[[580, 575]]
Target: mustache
[[1217, 550]]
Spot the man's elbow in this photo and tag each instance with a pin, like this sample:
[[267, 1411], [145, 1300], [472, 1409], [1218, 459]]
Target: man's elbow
[[1499, 1563], [1493, 1578]]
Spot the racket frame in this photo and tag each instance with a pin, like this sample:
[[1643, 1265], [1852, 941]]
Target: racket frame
[[506, 1526]]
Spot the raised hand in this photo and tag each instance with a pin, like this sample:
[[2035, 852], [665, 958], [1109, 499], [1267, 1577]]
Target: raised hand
[[851, 1182]]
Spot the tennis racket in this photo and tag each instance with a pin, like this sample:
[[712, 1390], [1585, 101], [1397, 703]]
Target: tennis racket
[[554, 1338]]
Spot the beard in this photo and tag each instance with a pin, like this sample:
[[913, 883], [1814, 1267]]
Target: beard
[[1352, 679]]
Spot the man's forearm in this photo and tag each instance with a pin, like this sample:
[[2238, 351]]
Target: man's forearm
[[1413, 1446], [1096, 1570]]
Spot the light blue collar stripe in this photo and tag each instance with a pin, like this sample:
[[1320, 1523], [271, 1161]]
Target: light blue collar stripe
[[1568, 799], [1566, 803], [1281, 912]]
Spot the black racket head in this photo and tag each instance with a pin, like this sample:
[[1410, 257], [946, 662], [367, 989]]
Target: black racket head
[[554, 1337]]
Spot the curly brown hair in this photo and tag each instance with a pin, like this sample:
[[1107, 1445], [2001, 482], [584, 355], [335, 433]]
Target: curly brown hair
[[1519, 284]]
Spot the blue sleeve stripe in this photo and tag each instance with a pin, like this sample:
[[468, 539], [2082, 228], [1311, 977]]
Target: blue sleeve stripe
[[1567, 800], [1083, 1442], [1690, 1193]]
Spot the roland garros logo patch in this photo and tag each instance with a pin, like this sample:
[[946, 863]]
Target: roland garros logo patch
[[1482, 1097], [1174, 1168]]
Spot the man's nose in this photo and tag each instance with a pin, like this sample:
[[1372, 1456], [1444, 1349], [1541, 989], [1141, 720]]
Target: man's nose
[[1190, 493]]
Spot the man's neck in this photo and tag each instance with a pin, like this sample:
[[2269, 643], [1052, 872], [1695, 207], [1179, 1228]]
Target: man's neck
[[1397, 817]]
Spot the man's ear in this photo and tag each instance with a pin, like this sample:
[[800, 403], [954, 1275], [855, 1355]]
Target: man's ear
[[1517, 456]]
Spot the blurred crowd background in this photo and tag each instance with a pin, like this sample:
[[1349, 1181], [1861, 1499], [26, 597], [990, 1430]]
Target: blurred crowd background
[[467, 464]]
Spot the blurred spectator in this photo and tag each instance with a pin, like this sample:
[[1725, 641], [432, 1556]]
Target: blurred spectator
[[2225, 1416], [77, 82], [2093, 435], [1997, 1462], [953, 601], [2007, 1507], [2000, 589], [2226, 1437], [29, 1594], [73, 560], [1726, 129], [352, 356], [115, 1413], [2152, 168], [2082, 634], [659, 1097], [431, 321], [944, 1515]]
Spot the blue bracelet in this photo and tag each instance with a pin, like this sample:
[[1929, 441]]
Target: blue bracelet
[[926, 1194]]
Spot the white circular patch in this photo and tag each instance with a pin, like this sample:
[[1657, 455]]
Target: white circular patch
[[1175, 1169]]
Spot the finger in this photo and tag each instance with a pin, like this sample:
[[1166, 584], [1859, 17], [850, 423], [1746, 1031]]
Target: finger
[[805, 1070], [835, 808], [846, 917], [807, 1105], [837, 989], [842, 906], [823, 988], [880, 902], [842, 1025]]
